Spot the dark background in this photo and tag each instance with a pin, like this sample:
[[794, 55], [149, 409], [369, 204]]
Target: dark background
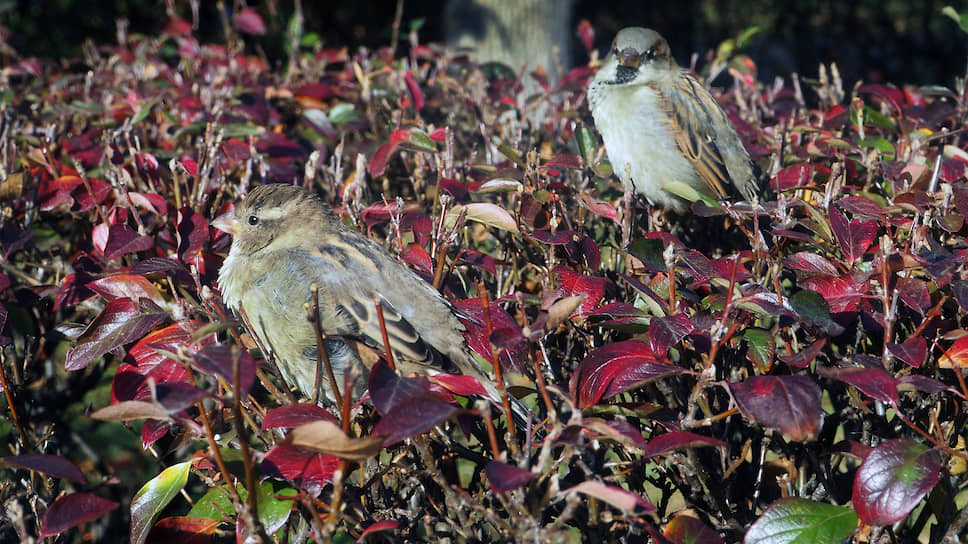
[[903, 42]]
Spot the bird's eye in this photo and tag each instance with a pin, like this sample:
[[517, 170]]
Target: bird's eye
[[253, 220], [615, 51], [650, 54]]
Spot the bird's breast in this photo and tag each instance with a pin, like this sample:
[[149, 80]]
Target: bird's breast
[[639, 140]]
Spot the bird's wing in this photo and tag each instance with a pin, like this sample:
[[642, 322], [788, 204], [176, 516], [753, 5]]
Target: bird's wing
[[693, 111], [352, 280]]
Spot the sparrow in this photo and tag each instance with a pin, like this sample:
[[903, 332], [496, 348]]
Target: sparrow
[[286, 238], [660, 125]]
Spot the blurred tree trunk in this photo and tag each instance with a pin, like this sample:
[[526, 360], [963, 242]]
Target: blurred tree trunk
[[519, 33]]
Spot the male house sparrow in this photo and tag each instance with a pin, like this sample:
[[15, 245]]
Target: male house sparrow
[[285, 239], [661, 125]]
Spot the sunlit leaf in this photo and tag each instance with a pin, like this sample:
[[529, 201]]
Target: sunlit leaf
[[153, 497]]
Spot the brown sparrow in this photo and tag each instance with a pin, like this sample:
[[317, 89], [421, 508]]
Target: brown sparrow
[[660, 125], [285, 239]]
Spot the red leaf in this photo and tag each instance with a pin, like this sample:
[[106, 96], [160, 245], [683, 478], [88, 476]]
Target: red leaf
[[389, 390], [810, 262], [788, 403], [378, 164], [233, 151], [565, 160], [192, 230], [385, 525], [131, 382], [615, 496], [842, 294], [415, 254], [911, 352], [126, 286], [415, 93], [294, 415], [572, 283], [684, 529], [798, 175], [504, 477], [74, 509], [859, 205], [956, 356], [875, 382], [914, 292], [52, 465], [248, 21], [853, 237], [123, 240], [220, 360], [614, 368], [174, 338], [304, 467], [603, 209], [417, 416], [506, 335], [586, 33], [667, 331], [679, 440], [805, 356], [893, 479], [120, 322], [183, 530], [459, 384]]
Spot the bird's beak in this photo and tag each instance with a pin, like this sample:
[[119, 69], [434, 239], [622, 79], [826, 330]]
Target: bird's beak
[[629, 58], [227, 223]]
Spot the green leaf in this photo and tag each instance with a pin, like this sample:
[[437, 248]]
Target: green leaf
[[587, 144], [342, 113], [215, 504], [143, 112], [960, 18], [681, 189], [512, 155], [417, 140], [762, 346], [273, 511], [879, 143], [241, 131], [799, 521], [746, 35], [154, 497]]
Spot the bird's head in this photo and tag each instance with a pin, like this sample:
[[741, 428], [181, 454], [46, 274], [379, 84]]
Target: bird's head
[[275, 213], [637, 56]]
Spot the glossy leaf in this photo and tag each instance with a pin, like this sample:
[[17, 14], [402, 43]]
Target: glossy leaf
[[788, 403], [305, 467], [873, 381], [51, 465], [614, 368], [182, 529], [120, 322], [686, 529], [417, 416], [665, 332], [73, 509], [793, 520], [893, 479], [153, 497], [293, 415], [679, 440], [625, 501], [504, 477]]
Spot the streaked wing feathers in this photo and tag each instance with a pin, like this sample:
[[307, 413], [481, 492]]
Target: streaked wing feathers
[[692, 113]]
